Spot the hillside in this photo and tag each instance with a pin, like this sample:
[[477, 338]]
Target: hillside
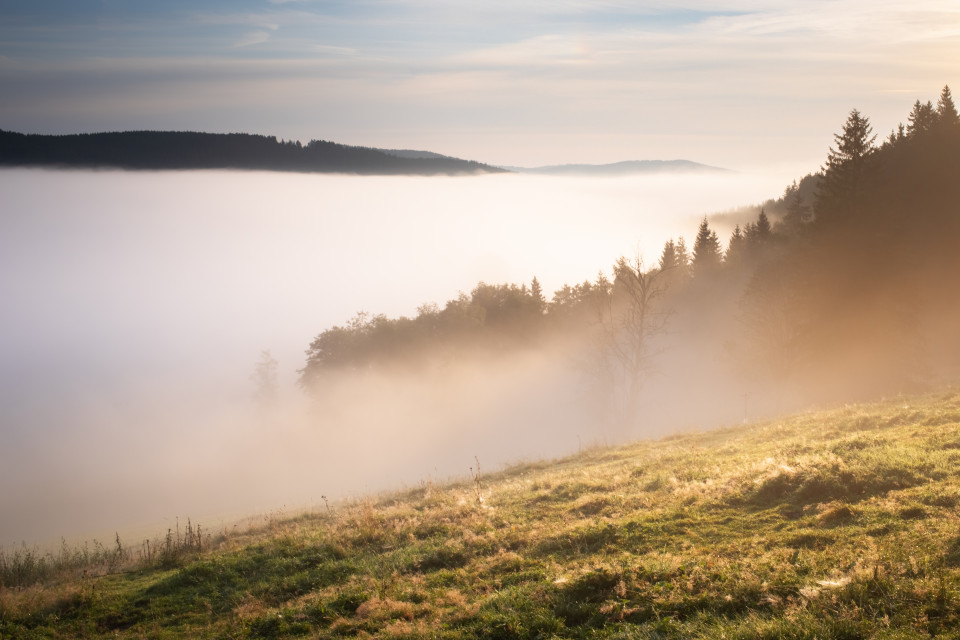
[[189, 150], [841, 523]]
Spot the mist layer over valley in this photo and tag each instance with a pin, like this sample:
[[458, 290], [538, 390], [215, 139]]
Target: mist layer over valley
[[136, 306]]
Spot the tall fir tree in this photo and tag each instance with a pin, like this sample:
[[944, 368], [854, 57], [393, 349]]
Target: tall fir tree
[[682, 272], [921, 119], [707, 254], [536, 293], [763, 225], [897, 135], [668, 257], [736, 249], [683, 254], [840, 187], [947, 116], [758, 233], [797, 212]]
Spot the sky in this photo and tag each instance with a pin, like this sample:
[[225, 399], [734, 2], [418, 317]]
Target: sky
[[742, 84]]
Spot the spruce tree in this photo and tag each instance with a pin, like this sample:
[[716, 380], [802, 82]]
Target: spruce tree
[[763, 225], [683, 261], [735, 248], [921, 119], [707, 255], [947, 116], [896, 135], [536, 293], [854, 144], [668, 257], [796, 213], [843, 172], [683, 254]]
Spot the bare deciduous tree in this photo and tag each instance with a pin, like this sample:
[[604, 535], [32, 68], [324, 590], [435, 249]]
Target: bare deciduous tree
[[628, 320]]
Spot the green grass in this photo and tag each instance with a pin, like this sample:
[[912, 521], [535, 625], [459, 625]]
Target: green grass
[[837, 524]]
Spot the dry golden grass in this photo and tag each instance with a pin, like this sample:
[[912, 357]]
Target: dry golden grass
[[841, 523]]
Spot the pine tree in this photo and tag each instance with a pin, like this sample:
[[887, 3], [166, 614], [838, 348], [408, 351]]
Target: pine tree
[[680, 272], [674, 264], [840, 187], [796, 213], [736, 248], [707, 255], [683, 254], [763, 226], [536, 293], [668, 257], [947, 116], [921, 119], [897, 135], [854, 144]]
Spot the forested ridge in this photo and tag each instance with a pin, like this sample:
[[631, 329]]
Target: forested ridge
[[847, 288], [192, 150]]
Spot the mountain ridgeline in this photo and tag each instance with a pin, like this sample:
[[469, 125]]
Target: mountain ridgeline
[[190, 150], [847, 289]]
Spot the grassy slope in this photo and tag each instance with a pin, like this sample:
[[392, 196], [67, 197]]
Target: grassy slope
[[835, 524]]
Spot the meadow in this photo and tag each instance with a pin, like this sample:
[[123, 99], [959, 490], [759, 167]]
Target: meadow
[[839, 523]]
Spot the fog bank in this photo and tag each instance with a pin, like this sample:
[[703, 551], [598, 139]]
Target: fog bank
[[136, 304]]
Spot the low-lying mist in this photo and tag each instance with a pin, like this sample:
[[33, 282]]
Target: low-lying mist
[[135, 305]]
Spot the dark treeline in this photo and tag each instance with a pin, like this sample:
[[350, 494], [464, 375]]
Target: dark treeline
[[848, 287], [189, 150]]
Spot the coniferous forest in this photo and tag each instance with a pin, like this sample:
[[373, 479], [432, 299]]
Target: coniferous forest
[[193, 150], [847, 289]]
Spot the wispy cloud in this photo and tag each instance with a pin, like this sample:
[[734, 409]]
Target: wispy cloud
[[328, 50], [253, 38], [258, 36], [552, 49]]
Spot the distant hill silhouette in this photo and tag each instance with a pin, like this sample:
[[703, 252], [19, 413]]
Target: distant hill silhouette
[[627, 167], [191, 150]]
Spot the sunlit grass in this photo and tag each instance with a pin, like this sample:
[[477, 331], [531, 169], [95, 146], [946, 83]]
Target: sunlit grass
[[840, 523]]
